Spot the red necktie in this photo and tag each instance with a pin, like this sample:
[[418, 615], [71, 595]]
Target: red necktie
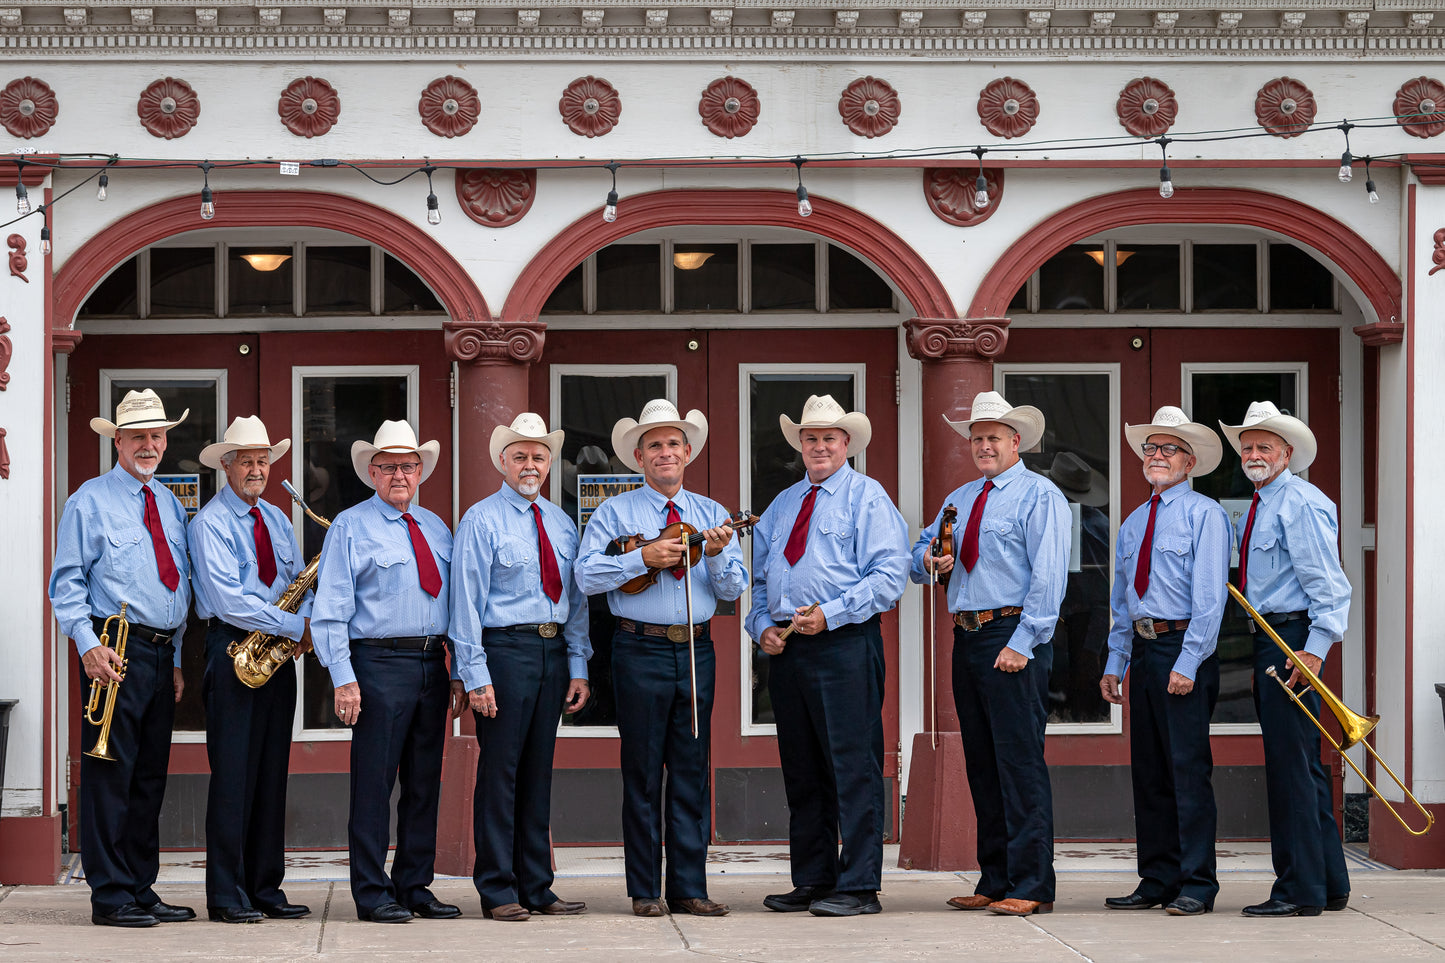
[[798, 538], [426, 564], [673, 518], [968, 554], [265, 554], [165, 564], [1146, 550], [551, 575], [1244, 542]]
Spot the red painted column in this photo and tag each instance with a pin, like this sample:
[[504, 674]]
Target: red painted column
[[939, 828]]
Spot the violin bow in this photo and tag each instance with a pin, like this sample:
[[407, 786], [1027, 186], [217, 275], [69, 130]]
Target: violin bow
[[691, 644], [930, 621]]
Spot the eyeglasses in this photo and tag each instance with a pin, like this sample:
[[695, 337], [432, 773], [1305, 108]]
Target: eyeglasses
[[1168, 451], [407, 468]]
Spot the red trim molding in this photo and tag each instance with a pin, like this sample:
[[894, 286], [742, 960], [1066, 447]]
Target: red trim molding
[[848, 226], [30, 850], [412, 245], [1300, 222], [1391, 845], [1429, 169]]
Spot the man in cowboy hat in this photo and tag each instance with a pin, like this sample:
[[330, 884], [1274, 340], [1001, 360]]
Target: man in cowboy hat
[[379, 624], [245, 555], [122, 541], [1289, 570], [650, 652], [1013, 562], [831, 555], [1170, 570], [519, 634]]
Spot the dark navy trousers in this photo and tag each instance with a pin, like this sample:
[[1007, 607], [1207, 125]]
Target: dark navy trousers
[[1002, 716], [248, 744], [120, 800], [654, 718], [400, 731], [827, 692], [1172, 769], [1304, 839], [512, 804]]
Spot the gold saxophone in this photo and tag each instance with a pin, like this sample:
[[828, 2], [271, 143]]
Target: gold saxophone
[[258, 655]]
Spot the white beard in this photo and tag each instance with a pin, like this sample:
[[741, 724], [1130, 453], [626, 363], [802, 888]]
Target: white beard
[[529, 486], [1258, 473]]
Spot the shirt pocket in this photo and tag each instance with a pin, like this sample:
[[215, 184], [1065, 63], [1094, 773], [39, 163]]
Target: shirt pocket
[[996, 534], [394, 575], [128, 553], [837, 523], [513, 560], [1265, 549]]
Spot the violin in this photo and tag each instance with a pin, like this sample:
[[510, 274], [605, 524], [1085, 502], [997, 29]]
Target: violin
[[739, 522], [943, 544]]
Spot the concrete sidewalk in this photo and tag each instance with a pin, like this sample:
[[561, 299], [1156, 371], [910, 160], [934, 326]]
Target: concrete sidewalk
[[1392, 915]]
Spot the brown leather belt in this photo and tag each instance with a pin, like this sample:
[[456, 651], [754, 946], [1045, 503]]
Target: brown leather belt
[[1147, 628], [973, 621], [673, 633]]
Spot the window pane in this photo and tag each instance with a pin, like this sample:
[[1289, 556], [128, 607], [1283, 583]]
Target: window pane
[[629, 278], [1297, 282], [1072, 280], [115, 297], [338, 280], [567, 297], [1148, 277], [183, 282], [1226, 277], [260, 281], [402, 292], [705, 277], [853, 285], [784, 277], [1020, 300]]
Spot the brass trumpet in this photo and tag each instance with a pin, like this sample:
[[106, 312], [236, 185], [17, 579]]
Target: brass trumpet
[[1353, 726], [101, 750]]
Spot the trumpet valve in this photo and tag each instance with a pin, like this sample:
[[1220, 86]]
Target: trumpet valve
[[1269, 671]]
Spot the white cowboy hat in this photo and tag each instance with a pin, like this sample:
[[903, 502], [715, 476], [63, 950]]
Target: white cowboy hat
[[244, 433], [1170, 420], [1027, 420], [1264, 416], [525, 427], [824, 412], [138, 409], [395, 436], [657, 413]]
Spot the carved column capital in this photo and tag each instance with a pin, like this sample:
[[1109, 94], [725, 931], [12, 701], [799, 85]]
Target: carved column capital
[[492, 342], [1381, 333], [64, 341], [956, 339]]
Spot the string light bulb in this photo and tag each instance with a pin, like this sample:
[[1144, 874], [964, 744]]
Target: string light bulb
[[101, 185], [208, 200], [1347, 170], [433, 206], [22, 196], [805, 206], [45, 230], [980, 184], [609, 209], [1166, 179], [1370, 191]]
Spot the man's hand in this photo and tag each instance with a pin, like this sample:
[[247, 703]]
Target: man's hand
[[1302, 658], [101, 663], [1179, 684], [1010, 661], [348, 702], [809, 623], [484, 701], [1110, 689], [303, 645], [458, 699], [942, 564], [717, 539], [577, 695], [178, 681], [772, 641], [664, 553]]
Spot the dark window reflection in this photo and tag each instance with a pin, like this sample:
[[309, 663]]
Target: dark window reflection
[[1020, 300], [338, 280], [705, 277], [1226, 277], [1073, 280], [259, 281], [853, 285], [402, 292], [784, 277], [1297, 282], [567, 296], [629, 278], [1148, 276], [183, 282], [115, 297]]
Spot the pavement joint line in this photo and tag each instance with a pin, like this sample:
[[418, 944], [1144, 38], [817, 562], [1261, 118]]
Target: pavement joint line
[[1400, 929], [1065, 944], [325, 916]]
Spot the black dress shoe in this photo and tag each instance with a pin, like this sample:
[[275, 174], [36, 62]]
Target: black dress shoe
[[847, 904], [389, 913], [1336, 903], [234, 914], [435, 909], [1276, 908], [1187, 906], [1134, 901], [167, 913], [284, 911], [798, 900], [560, 908], [128, 915]]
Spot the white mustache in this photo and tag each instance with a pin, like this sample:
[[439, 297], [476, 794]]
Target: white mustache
[[147, 453]]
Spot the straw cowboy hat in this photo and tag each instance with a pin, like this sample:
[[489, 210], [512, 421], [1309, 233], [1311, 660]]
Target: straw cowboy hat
[[525, 427], [1170, 420], [657, 413], [1077, 480], [244, 434], [138, 409], [1027, 420], [823, 412], [1264, 416], [394, 436]]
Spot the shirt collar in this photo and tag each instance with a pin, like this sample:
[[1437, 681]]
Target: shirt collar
[[1280, 483], [128, 482], [1012, 473], [1174, 491], [387, 509], [234, 502], [659, 501], [519, 501], [833, 482]]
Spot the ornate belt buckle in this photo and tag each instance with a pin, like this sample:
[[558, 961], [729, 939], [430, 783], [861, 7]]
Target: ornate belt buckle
[[1145, 628], [677, 633], [547, 630], [970, 621]]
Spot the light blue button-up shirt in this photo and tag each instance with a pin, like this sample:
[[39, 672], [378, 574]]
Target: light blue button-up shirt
[[104, 555], [227, 575], [855, 562], [643, 511], [497, 581], [1023, 552], [1294, 559], [1187, 575], [368, 586]]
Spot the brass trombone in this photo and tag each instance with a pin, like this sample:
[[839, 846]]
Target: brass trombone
[[101, 750], [1354, 727]]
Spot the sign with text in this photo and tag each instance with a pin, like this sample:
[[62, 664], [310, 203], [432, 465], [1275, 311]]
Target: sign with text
[[593, 490], [185, 487]]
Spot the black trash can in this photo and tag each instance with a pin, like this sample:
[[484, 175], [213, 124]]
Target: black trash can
[[5, 706]]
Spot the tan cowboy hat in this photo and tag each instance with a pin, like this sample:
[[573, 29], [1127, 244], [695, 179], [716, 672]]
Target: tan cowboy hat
[[138, 409], [244, 433], [657, 413], [394, 436], [525, 427], [1170, 420], [1077, 480], [824, 412], [1264, 416], [1027, 420]]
